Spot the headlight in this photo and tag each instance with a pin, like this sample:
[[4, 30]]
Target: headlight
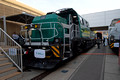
[[112, 39], [56, 40], [29, 47], [43, 47]]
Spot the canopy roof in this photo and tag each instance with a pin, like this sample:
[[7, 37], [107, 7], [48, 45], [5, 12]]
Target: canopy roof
[[22, 18]]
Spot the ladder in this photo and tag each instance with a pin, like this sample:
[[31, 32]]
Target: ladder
[[67, 36]]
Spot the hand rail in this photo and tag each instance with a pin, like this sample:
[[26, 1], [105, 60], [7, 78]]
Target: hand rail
[[11, 49], [41, 29], [11, 59]]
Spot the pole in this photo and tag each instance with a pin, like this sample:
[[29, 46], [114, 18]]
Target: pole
[[4, 22]]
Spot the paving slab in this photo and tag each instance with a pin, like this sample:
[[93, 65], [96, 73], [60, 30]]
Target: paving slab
[[109, 76], [91, 69], [112, 68], [112, 59]]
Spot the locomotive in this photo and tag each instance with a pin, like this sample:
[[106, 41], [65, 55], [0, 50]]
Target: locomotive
[[55, 37], [114, 34]]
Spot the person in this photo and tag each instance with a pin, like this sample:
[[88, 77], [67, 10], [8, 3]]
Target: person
[[15, 37], [98, 42], [106, 42], [103, 41]]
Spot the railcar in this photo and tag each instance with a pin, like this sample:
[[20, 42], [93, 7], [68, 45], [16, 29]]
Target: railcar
[[98, 34], [55, 37], [114, 34]]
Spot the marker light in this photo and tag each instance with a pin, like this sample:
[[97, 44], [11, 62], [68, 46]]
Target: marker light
[[26, 27], [35, 26]]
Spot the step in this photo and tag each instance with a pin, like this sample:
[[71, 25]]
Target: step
[[2, 55], [67, 52], [67, 35], [7, 71], [2, 43], [5, 65], [7, 47], [66, 26], [13, 76], [4, 60], [65, 58], [65, 45]]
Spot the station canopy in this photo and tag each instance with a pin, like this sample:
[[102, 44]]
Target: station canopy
[[22, 18]]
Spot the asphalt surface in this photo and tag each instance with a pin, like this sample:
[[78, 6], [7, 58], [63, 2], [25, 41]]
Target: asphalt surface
[[94, 64], [92, 68]]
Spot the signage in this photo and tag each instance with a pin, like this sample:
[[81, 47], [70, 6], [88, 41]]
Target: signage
[[39, 53], [116, 44], [12, 51]]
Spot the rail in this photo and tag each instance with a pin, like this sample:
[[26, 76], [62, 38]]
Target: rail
[[11, 49], [39, 27], [75, 31]]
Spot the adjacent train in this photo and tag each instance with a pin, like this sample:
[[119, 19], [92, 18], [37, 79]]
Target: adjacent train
[[114, 34], [55, 37]]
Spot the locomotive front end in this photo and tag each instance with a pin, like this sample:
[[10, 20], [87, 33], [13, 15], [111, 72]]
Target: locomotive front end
[[42, 41]]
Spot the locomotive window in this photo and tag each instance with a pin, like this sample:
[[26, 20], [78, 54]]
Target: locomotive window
[[87, 24], [81, 20]]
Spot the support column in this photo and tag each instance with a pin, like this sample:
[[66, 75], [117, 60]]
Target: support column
[[4, 24]]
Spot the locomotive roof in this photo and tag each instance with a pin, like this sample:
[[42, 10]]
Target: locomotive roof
[[114, 21], [67, 11]]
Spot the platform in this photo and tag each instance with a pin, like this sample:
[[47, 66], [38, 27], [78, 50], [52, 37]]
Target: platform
[[95, 64]]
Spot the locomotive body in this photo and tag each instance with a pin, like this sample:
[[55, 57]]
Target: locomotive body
[[55, 37], [114, 34]]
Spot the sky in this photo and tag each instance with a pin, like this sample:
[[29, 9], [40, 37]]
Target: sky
[[80, 6]]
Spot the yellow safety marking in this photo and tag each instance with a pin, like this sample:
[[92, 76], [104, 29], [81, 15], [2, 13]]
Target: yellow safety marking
[[112, 46], [55, 54], [26, 27], [55, 49], [48, 56]]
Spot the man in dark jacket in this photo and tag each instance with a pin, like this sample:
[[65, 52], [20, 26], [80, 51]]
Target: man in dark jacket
[[98, 42]]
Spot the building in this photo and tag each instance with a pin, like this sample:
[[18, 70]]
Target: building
[[15, 15], [101, 20]]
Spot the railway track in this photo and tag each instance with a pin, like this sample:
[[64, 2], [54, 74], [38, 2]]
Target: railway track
[[41, 76]]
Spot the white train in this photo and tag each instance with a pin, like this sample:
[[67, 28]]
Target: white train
[[114, 34]]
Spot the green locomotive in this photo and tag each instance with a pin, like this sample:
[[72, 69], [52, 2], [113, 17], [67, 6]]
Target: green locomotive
[[54, 37]]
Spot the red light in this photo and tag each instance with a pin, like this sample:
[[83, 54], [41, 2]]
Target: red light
[[27, 52]]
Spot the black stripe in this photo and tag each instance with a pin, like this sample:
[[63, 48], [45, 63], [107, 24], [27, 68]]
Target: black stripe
[[55, 51], [56, 48]]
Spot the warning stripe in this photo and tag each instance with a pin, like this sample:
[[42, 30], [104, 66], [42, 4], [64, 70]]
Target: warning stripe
[[55, 54], [55, 51], [111, 44]]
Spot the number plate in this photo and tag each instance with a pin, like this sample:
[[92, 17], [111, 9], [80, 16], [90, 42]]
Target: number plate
[[116, 44], [39, 53]]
